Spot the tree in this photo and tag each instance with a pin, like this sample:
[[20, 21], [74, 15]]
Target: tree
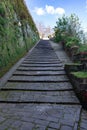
[[43, 30], [67, 27]]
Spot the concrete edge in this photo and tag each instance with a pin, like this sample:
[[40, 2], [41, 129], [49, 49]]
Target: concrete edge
[[51, 42], [5, 78], [63, 62]]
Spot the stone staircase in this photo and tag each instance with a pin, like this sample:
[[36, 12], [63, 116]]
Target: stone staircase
[[38, 95]]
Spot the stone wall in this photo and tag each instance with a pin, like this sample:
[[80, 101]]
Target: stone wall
[[18, 32]]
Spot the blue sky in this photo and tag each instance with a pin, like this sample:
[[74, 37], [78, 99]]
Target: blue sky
[[48, 11]]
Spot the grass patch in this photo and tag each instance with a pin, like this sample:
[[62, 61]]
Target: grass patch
[[80, 74]]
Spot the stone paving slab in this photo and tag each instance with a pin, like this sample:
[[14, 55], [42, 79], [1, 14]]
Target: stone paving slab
[[83, 122], [40, 68], [41, 62], [61, 78], [42, 58], [39, 73], [47, 56], [38, 86], [40, 53], [41, 65], [38, 116], [37, 96]]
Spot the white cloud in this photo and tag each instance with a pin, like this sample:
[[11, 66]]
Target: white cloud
[[39, 11], [49, 10], [52, 10], [59, 11]]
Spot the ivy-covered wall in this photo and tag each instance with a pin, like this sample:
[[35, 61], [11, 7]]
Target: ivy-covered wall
[[18, 32]]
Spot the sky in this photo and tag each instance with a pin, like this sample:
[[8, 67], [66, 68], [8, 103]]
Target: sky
[[48, 11]]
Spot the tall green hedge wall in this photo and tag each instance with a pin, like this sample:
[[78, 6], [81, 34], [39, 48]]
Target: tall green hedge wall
[[18, 32]]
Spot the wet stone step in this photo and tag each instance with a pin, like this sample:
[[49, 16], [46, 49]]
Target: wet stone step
[[39, 86], [39, 78], [40, 97], [36, 62], [39, 73], [41, 50], [40, 68], [41, 65], [38, 51], [39, 56], [45, 48], [47, 51], [42, 55], [41, 60]]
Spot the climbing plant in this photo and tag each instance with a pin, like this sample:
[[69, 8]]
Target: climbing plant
[[18, 32]]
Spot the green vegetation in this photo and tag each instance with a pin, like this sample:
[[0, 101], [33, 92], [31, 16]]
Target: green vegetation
[[68, 30], [72, 41], [9, 65], [80, 74], [83, 48], [18, 32]]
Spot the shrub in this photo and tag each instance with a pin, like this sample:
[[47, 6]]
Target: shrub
[[72, 41]]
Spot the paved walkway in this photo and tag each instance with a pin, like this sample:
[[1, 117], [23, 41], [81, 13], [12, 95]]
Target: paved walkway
[[39, 96]]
